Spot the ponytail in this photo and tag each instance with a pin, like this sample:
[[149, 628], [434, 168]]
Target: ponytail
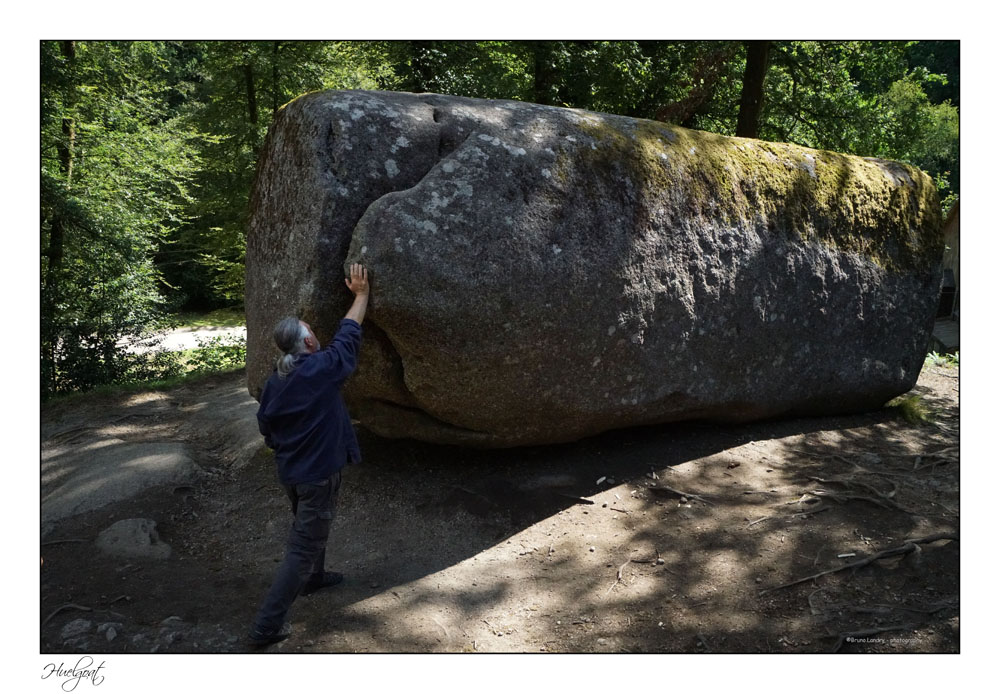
[[289, 336]]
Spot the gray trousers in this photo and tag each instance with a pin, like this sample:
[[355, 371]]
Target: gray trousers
[[313, 506]]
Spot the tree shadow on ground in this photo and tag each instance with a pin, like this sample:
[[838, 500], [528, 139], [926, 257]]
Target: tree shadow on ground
[[450, 549], [716, 560]]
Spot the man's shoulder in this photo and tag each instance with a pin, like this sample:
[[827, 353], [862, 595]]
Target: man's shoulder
[[274, 384]]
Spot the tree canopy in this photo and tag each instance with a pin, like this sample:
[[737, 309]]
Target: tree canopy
[[148, 148]]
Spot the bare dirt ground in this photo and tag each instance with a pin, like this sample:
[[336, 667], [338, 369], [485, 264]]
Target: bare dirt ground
[[669, 539]]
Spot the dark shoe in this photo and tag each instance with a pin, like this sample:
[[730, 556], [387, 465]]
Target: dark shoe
[[261, 638], [328, 579]]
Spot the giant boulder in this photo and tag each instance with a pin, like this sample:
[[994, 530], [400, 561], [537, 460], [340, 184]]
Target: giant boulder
[[542, 274]]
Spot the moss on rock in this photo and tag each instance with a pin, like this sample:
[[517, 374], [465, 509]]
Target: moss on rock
[[885, 211]]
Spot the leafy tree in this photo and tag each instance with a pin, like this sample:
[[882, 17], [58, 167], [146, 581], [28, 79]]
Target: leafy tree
[[481, 69], [149, 148], [864, 98], [939, 58], [231, 90], [115, 169], [922, 133]]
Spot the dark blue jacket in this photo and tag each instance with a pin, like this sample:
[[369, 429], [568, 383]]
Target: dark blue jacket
[[303, 416]]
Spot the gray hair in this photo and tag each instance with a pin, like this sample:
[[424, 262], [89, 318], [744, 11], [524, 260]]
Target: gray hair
[[290, 336]]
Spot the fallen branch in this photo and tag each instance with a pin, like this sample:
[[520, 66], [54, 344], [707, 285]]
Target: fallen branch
[[812, 608], [884, 473], [658, 561], [59, 542], [841, 498], [759, 520], [618, 578], [905, 548], [940, 461], [811, 513], [943, 452], [67, 606], [661, 489], [886, 609]]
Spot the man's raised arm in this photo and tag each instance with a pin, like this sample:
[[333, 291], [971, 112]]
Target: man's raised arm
[[358, 284]]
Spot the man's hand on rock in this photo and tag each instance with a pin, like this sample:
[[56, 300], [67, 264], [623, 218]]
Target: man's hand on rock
[[358, 282]]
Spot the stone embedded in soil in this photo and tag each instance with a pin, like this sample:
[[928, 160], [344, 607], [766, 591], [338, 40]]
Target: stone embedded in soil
[[542, 274], [104, 627], [133, 537], [75, 628], [109, 470]]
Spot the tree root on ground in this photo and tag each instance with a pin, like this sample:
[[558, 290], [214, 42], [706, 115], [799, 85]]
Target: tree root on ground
[[883, 499], [67, 606], [904, 549]]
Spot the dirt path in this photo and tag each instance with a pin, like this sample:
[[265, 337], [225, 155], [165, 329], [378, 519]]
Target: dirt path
[[573, 548], [185, 338]]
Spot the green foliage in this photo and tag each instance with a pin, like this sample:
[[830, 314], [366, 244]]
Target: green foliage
[[222, 317], [232, 89], [911, 408], [221, 353], [865, 98], [481, 69], [116, 165], [149, 148], [868, 98], [947, 359]]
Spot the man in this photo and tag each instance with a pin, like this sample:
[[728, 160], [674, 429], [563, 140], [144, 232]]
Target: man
[[303, 418]]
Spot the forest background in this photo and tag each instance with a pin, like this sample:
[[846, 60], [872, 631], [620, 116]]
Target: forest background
[[149, 148]]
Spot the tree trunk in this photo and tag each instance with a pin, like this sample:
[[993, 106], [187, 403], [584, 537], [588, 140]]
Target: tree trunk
[[251, 93], [57, 234], [418, 73], [706, 74], [545, 74], [752, 98], [65, 150]]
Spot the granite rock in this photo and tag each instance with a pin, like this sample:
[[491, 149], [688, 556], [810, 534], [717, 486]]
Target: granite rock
[[542, 274]]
